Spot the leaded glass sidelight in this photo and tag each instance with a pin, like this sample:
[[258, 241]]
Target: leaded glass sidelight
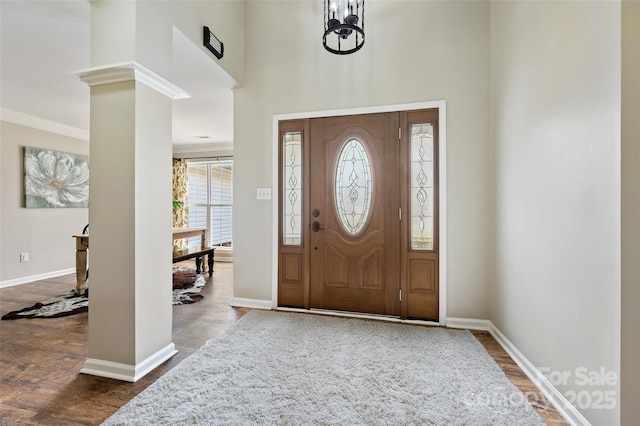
[[353, 186], [422, 186], [292, 189]]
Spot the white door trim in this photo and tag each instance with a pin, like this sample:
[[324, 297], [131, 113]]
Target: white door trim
[[442, 164]]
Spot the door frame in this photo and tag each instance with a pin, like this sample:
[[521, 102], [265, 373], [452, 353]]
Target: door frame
[[442, 188]]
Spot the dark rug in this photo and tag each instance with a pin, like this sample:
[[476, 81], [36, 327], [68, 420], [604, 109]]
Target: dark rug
[[186, 290]]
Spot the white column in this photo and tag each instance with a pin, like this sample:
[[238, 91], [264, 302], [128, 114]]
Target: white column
[[130, 318]]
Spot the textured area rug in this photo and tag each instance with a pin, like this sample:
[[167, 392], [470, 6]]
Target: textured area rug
[[277, 368], [70, 304], [188, 293]]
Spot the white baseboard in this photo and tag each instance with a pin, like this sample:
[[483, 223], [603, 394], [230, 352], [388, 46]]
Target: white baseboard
[[557, 399], [127, 372], [469, 323], [345, 314], [38, 277], [239, 302]]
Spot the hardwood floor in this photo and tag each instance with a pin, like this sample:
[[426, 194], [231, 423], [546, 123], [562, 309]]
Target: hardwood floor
[[544, 408], [40, 358]]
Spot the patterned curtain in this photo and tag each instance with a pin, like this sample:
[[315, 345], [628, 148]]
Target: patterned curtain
[[181, 209]]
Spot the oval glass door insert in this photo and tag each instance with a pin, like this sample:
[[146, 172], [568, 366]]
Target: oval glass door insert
[[353, 186]]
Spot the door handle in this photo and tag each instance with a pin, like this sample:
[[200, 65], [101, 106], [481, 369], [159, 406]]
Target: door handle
[[315, 226]]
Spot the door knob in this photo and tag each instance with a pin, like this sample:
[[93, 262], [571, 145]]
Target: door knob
[[316, 226]]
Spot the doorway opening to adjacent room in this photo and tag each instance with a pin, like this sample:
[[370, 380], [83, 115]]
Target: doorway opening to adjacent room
[[210, 201]]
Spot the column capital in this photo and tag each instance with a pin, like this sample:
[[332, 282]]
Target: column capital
[[128, 71]]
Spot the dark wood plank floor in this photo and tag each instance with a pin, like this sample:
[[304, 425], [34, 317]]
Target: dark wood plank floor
[[549, 414], [40, 358]]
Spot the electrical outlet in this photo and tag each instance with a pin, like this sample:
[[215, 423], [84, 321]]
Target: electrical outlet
[[24, 257], [263, 193]]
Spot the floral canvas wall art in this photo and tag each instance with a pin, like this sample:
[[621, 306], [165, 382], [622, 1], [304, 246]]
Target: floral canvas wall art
[[55, 179]]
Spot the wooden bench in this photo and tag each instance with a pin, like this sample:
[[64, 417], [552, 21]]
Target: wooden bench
[[197, 254]]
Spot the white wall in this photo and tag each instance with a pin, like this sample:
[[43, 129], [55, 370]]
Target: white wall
[[43, 233], [556, 129], [208, 152], [414, 52], [154, 21]]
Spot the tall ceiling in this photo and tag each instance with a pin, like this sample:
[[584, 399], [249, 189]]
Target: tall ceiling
[[42, 43]]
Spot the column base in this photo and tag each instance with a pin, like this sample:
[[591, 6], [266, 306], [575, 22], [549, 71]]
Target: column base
[[127, 372]]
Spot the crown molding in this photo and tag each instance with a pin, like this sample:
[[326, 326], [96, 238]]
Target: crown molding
[[27, 120], [130, 71]]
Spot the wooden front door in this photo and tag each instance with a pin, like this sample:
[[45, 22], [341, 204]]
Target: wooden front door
[[354, 214], [358, 216]]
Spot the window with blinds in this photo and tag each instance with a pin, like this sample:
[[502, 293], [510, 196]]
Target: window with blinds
[[210, 195]]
